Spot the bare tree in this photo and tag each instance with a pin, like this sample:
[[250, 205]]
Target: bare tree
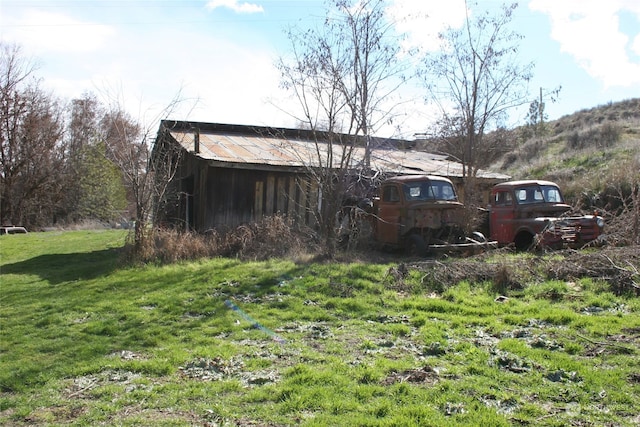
[[31, 154], [343, 76], [476, 78], [147, 170]]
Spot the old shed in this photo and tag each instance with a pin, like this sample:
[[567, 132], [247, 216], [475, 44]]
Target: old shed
[[234, 174]]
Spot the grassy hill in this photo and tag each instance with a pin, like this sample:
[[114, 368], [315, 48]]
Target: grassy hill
[[501, 339], [590, 153]]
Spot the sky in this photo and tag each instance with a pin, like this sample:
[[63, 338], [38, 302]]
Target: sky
[[218, 56]]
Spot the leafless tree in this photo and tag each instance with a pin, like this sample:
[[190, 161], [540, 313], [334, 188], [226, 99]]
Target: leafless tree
[[476, 78], [147, 170], [31, 155], [343, 76]]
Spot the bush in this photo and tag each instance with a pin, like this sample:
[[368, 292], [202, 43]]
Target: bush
[[272, 237], [604, 136], [609, 134]]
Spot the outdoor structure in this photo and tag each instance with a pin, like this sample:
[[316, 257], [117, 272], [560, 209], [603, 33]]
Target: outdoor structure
[[234, 174]]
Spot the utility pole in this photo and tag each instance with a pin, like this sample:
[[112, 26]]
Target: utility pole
[[541, 109]]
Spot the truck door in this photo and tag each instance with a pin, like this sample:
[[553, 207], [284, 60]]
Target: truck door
[[501, 217], [388, 221]]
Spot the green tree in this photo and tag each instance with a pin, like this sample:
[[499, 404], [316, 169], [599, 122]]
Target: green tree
[[101, 191], [82, 132], [537, 117]]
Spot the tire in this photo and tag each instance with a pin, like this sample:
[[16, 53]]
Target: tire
[[523, 241], [416, 246]]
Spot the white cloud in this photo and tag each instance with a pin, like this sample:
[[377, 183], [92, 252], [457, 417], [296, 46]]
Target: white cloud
[[589, 30], [56, 32], [235, 5], [636, 45], [233, 90], [423, 21]]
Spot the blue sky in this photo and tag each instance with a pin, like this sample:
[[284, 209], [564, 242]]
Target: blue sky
[[222, 52]]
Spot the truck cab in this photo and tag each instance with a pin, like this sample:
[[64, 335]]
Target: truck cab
[[524, 213], [418, 212]]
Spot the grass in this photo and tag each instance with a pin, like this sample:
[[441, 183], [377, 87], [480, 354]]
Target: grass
[[86, 341]]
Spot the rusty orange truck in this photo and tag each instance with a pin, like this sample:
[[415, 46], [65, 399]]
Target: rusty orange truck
[[533, 213], [422, 213]]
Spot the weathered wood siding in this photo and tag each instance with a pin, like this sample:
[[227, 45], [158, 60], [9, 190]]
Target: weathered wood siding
[[223, 198]]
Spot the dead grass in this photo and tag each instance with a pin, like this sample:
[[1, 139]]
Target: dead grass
[[619, 268], [273, 237]]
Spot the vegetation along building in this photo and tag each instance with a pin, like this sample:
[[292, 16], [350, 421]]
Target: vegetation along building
[[228, 175]]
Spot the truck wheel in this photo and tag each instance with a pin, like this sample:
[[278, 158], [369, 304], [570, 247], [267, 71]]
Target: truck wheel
[[523, 241], [416, 246]]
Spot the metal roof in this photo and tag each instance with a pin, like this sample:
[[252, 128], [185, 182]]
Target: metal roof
[[250, 146]]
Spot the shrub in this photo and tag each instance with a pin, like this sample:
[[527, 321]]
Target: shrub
[[274, 236], [609, 134]]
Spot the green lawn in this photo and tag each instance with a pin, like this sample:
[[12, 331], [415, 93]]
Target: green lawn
[[87, 341]]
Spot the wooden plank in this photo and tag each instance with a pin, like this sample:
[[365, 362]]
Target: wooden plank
[[313, 204], [302, 200], [291, 198], [258, 201], [203, 196], [281, 195], [271, 188]]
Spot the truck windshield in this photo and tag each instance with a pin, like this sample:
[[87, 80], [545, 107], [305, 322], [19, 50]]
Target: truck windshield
[[538, 194], [429, 190], [551, 194]]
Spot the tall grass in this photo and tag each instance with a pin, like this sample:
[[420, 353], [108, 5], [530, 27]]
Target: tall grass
[[273, 236]]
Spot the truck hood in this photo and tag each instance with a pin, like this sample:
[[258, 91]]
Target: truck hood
[[436, 204], [545, 209]]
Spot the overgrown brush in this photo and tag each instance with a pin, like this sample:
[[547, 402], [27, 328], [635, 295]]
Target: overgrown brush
[[620, 202], [274, 236], [619, 268]]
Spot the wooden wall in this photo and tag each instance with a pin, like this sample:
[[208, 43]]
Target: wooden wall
[[223, 198]]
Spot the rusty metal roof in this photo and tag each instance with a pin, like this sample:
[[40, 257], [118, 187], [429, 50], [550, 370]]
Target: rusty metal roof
[[250, 146]]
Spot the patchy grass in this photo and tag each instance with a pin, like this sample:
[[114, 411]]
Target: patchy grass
[[274, 343]]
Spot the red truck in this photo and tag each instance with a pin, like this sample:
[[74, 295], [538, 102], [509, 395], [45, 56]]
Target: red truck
[[421, 213], [533, 212]]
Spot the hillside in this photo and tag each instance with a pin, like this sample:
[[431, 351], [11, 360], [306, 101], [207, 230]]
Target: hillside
[[591, 153]]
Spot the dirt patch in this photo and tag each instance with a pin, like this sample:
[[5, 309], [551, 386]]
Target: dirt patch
[[217, 369], [425, 375], [134, 414], [57, 414], [81, 387]]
